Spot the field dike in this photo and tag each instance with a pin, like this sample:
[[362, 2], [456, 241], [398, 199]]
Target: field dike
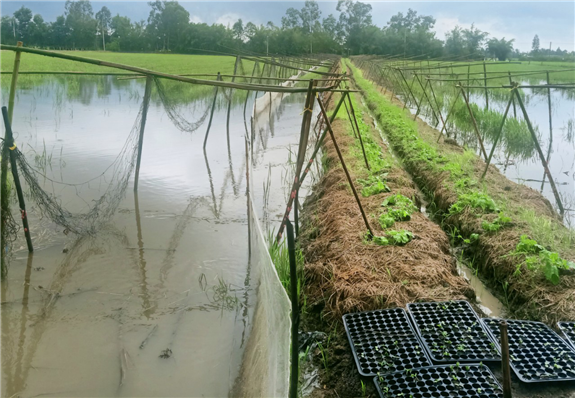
[[346, 273], [510, 233]]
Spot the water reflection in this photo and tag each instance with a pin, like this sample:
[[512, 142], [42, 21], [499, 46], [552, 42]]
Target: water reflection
[[160, 302]]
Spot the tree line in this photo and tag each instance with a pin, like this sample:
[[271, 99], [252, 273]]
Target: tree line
[[302, 31]]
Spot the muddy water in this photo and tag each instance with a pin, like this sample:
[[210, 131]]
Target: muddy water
[[160, 302]]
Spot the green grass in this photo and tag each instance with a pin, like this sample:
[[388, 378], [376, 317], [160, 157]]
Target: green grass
[[280, 257], [167, 63]]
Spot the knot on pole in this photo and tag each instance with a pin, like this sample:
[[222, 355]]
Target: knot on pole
[[12, 147]]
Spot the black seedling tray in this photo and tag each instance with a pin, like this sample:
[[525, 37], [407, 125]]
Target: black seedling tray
[[537, 353], [384, 341], [452, 332], [469, 380], [568, 329]]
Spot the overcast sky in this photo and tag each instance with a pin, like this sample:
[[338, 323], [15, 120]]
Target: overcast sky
[[520, 20]]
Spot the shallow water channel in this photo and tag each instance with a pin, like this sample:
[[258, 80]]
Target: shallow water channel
[[160, 301]]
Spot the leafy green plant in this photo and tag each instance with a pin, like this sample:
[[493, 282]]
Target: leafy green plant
[[399, 208], [474, 200], [501, 221], [400, 237], [540, 259], [374, 188]]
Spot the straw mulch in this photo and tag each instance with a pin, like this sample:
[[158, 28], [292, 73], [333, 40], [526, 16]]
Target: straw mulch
[[346, 274]]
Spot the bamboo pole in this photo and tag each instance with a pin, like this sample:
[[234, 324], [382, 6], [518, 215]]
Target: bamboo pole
[[436, 103], [303, 139], [294, 374], [485, 84], [143, 71], [514, 108], [497, 137], [420, 101], [427, 97], [302, 146], [540, 152], [146, 103], [348, 176], [447, 117], [474, 124], [301, 179], [211, 115], [505, 362], [12, 146], [349, 117], [15, 72], [358, 133], [550, 129], [238, 60]]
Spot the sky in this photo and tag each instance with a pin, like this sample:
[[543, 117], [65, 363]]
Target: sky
[[519, 20]]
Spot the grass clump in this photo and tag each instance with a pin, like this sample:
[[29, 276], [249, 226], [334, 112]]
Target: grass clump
[[280, 257], [539, 259]]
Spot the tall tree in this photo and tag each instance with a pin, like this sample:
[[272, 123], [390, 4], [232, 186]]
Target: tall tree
[[353, 18], [23, 18], [535, 45], [80, 22], [474, 39], [167, 22], [500, 48], [454, 42], [292, 19], [310, 15], [60, 32], [238, 30], [104, 17]]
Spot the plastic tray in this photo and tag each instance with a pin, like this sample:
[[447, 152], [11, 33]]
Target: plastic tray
[[452, 332], [568, 329], [537, 353], [384, 341], [468, 380]]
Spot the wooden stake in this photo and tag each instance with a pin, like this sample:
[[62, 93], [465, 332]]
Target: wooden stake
[[550, 129], [505, 369], [358, 133], [514, 108], [146, 103], [238, 60], [474, 124], [12, 94], [485, 83], [540, 152], [211, 113], [497, 137], [11, 146], [294, 374], [318, 145], [447, 117], [348, 176]]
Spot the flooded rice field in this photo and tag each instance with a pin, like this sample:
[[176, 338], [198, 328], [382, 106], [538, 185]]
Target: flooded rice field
[[161, 301]]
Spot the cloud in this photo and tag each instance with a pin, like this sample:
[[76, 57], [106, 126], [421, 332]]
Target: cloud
[[195, 19], [228, 19]]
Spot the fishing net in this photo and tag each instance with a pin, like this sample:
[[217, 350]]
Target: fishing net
[[103, 208], [170, 107]]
